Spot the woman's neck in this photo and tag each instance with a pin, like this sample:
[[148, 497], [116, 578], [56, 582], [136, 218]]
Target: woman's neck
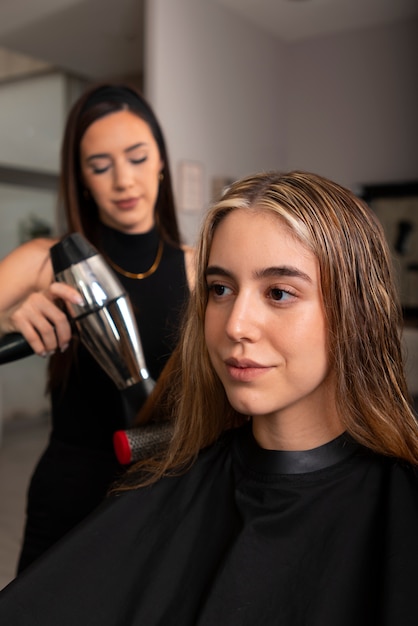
[[272, 435]]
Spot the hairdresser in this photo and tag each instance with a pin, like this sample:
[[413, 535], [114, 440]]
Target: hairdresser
[[116, 190]]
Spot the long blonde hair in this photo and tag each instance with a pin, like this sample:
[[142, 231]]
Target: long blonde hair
[[363, 317]]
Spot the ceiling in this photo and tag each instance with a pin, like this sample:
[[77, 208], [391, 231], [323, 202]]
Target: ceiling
[[97, 38], [88, 38]]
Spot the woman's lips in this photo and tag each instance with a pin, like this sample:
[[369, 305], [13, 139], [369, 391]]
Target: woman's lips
[[129, 203], [245, 370]]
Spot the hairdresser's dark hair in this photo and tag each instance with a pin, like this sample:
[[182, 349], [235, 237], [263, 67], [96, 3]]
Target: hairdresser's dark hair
[[80, 208]]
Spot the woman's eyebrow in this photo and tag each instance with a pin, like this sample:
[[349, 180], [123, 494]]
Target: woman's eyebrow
[[135, 146], [106, 155], [283, 271], [211, 270], [280, 271]]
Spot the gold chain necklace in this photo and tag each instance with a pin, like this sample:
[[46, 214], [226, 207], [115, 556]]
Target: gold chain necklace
[[141, 275]]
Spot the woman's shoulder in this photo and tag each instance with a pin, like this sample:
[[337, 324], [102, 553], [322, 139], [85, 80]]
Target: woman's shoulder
[[36, 249], [31, 258], [37, 246]]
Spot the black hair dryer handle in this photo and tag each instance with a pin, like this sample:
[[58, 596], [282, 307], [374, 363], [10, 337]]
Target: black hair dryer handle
[[13, 346]]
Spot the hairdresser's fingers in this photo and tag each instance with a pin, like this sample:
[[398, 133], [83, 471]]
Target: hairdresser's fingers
[[69, 296], [43, 324], [64, 292]]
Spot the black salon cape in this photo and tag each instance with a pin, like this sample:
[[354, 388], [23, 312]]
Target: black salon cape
[[246, 537]]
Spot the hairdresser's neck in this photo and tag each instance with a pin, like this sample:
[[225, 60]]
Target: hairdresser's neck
[[130, 227]]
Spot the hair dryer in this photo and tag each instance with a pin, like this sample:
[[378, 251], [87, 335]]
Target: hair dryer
[[104, 321]]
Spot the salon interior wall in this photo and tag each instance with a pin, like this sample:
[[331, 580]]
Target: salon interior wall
[[235, 99]]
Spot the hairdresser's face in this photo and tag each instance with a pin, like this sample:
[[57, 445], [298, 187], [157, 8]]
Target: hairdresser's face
[[121, 164], [265, 326]]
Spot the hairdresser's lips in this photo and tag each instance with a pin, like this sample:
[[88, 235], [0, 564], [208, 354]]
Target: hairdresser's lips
[[128, 203], [245, 370]]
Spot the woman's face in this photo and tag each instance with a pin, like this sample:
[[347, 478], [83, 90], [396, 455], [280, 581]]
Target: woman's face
[[121, 165], [265, 326]]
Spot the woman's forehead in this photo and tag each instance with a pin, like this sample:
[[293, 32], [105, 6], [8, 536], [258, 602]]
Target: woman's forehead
[[257, 235]]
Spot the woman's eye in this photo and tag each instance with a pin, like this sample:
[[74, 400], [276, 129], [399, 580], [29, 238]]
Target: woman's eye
[[139, 161], [280, 295], [219, 290], [99, 166]]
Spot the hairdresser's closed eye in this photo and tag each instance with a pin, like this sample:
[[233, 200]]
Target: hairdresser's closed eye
[[138, 161]]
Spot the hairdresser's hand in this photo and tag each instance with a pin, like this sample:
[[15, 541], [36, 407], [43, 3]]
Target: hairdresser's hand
[[41, 319]]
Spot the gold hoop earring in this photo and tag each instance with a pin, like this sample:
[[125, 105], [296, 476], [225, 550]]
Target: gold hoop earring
[[161, 177]]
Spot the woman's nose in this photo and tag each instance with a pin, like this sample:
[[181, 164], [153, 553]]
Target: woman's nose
[[244, 320], [122, 177]]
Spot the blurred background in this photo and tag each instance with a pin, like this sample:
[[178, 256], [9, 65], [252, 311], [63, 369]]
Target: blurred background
[[239, 86]]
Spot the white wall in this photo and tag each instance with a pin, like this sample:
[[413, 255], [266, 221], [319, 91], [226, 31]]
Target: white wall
[[353, 102], [237, 100], [217, 87]]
